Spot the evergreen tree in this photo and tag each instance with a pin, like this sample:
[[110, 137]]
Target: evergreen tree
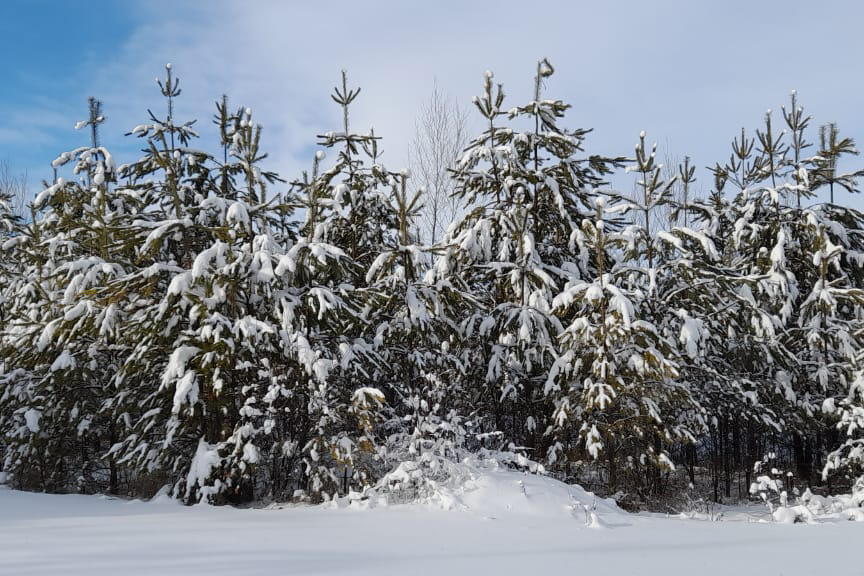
[[349, 215], [168, 391], [171, 322], [10, 233], [782, 241], [725, 352], [420, 375], [66, 327], [621, 365], [529, 192]]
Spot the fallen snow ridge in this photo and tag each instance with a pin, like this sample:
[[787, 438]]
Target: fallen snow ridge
[[501, 522]]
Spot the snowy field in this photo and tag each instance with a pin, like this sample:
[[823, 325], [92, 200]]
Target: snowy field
[[503, 523]]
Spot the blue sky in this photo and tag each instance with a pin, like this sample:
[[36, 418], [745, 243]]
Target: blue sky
[[689, 73], [50, 48]]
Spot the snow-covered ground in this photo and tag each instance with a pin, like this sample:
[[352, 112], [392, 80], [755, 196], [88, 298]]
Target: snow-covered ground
[[502, 523]]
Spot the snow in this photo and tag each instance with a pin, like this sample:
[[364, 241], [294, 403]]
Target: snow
[[367, 396], [792, 515], [238, 214], [203, 261], [507, 523], [31, 419], [205, 460], [65, 361], [691, 335], [186, 390]]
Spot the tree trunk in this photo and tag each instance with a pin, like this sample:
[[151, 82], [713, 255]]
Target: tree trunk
[[691, 463], [657, 473], [736, 453], [113, 487], [724, 451], [715, 463], [610, 461]]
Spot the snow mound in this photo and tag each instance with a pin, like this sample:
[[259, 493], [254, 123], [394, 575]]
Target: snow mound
[[842, 506], [491, 488], [499, 491], [793, 515]]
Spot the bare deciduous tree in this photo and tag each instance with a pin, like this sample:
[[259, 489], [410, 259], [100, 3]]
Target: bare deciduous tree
[[439, 140], [13, 189]]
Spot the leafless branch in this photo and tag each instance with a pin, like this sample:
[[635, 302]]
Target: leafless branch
[[439, 140]]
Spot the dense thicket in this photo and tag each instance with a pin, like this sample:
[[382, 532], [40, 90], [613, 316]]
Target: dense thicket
[[190, 319]]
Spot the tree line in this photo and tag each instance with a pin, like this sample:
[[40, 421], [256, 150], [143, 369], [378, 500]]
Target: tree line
[[192, 319]]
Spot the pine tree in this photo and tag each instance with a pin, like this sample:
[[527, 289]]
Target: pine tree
[[640, 307], [349, 216], [10, 229], [849, 456], [168, 390], [725, 353], [76, 248], [831, 316], [172, 322], [781, 240], [530, 192], [831, 149], [419, 374]]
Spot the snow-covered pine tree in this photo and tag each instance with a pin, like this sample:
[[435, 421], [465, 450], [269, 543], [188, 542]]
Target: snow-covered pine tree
[[614, 367], [826, 335], [71, 348], [778, 238], [638, 308], [10, 229], [360, 219], [829, 322], [721, 355], [184, 234], [750, 406], [761, 239], [521, 239], [848, 458], [349, 222], [301, 407], [12, 271], [832, 315], [21, 406], [9, 220], [415, 327], [231, 340]]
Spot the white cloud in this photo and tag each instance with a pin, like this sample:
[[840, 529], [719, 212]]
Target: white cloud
[[689, 73]]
